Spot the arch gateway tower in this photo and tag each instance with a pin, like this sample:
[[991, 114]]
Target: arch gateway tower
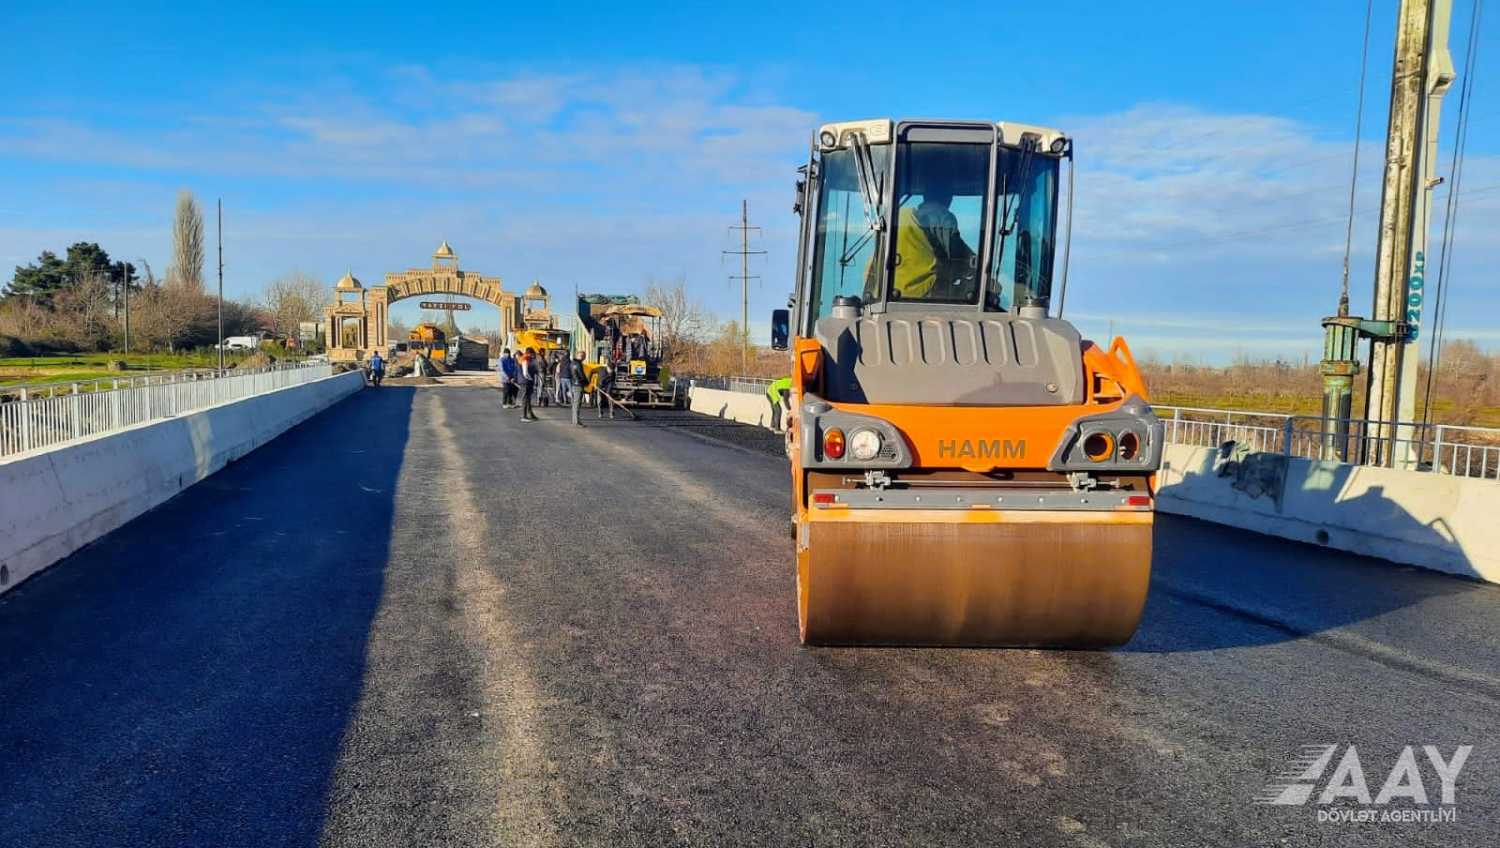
[[355, 322]]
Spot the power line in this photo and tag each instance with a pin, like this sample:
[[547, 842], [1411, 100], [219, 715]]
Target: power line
[[1359, 119]]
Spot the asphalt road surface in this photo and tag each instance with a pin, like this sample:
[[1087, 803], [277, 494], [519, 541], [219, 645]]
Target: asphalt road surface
[[415, 620]]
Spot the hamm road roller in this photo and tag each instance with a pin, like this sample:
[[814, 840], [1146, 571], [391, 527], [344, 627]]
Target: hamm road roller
[[966, 468]]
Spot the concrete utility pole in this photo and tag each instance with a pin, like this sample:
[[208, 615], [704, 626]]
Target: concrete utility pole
[[744, 253], [1422, 73]]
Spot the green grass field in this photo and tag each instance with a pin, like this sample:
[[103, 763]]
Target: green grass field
[[91, 366]]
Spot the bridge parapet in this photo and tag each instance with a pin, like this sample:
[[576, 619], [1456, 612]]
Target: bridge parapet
[[54, 501], [40, 416]]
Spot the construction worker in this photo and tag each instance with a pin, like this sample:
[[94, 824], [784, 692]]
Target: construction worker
[[377, 369], [529, 377], [605, 376], [564, 372], [576, 383], [779, 393], [954, 255], [507, 368]]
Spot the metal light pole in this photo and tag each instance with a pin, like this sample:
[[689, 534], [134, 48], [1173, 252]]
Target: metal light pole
[[221, 285], [127, 311]]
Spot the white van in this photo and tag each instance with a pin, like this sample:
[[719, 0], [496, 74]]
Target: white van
[[240, 343]]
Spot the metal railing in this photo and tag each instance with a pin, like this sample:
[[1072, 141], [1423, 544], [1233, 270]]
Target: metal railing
[[50, 414], [748, 385], [1440, 448]]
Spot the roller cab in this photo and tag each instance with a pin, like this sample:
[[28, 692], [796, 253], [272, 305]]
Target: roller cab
[[965, 468]]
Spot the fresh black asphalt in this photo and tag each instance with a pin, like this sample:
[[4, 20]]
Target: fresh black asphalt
[[415, 620]]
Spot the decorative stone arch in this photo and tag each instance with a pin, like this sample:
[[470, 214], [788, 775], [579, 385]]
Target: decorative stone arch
[[370, 306]]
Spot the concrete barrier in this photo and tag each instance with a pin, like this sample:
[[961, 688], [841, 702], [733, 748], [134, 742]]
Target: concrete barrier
[[1436, 521], [56, 501], [743, 407]]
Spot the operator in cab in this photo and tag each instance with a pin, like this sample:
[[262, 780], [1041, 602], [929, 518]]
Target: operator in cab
[[941, 228], [955, 259], [933, 261]]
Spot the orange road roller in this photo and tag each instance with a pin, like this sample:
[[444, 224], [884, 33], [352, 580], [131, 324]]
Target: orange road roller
[[966, 468]]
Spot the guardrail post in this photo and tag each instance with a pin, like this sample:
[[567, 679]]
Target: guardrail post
[[114, 405], [1286, 436], [75, 407], [25, 420], [1437, 450]]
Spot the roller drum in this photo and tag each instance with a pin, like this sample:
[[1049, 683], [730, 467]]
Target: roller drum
[[1074, 580]]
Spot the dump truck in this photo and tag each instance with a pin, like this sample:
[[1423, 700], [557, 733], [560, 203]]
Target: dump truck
[[469, 353], [429, 340], [966, 468]]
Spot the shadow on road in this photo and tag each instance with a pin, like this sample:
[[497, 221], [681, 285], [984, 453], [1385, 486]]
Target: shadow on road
[[1274, 590], [187, 679]]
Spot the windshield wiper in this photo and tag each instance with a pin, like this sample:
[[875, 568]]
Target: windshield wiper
[[870, 186], [1006, 226]]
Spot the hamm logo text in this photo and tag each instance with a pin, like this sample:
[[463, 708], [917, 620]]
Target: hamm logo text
[[982, 449]]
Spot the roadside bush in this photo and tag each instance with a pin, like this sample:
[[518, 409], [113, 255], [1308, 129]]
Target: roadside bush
[[12, 346]]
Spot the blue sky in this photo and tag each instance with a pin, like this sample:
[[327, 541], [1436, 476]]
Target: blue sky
[[600, 147]]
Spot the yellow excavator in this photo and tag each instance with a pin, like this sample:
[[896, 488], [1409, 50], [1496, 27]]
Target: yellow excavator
[[966, 468]]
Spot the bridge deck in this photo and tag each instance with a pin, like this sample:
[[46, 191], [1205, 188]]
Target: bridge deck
[[464, 630]]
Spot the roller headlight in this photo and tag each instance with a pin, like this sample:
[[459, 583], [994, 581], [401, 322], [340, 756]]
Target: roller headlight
[[1099, 446], [864, 445]]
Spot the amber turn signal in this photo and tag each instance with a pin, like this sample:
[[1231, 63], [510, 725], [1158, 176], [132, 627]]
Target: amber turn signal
[[833, 443]]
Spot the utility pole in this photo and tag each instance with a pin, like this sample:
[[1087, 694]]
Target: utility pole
[[1421, 74], [221, 285], [744, 253], [126, 305], [127, 315]]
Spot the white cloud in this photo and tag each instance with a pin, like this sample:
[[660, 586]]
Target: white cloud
[[1231, 228], [1197, 232]]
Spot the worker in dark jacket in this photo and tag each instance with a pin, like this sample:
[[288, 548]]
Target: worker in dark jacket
[[574, 370], [528, 377], [606, 378], [507, 368]]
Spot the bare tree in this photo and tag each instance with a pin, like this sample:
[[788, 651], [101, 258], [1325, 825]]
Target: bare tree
[[84, 311], [683, 319], [186, 270], [292, 299], [173, 316], [397, 330]]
